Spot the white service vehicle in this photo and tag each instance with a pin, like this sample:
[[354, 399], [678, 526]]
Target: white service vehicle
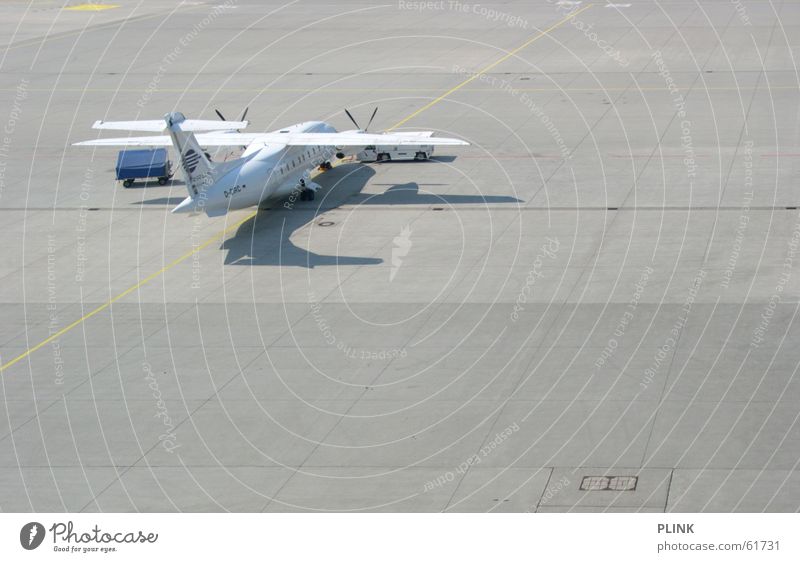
[[387, 153]]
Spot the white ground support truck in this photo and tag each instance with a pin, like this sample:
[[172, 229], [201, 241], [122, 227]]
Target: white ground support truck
[[387, 153]]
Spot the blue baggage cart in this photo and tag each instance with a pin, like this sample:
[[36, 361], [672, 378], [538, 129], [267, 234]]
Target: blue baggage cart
[[143, 164]]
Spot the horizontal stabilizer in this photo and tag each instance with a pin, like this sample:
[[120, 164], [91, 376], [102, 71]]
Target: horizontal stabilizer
[[158, 125]]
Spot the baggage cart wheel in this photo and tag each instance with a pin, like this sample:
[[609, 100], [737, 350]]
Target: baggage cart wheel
[[162, 181], [420, 156], [127, 183]]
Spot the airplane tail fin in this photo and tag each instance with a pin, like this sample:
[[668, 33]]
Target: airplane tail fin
[[197, 167]]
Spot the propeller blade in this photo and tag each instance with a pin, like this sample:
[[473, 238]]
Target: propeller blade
[[221, 116], [351, 119], [371, 118], [244, 114]]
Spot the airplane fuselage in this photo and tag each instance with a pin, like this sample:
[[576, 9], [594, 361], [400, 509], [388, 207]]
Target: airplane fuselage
[[268, 171]]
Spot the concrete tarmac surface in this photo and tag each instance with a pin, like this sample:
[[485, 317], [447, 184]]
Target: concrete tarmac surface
[[591, 308]]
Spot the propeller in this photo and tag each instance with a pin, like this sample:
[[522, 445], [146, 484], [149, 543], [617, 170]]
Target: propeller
[[351, 119], [356, 123], [371, 118], [221, 116]]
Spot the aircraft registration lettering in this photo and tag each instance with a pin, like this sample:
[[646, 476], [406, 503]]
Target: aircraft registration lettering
[[234, 190]]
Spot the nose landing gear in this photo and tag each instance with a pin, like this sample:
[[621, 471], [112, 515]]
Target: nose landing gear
[[306, 190]]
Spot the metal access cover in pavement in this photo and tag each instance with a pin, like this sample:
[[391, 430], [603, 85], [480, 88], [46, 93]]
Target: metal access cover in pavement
[[609, 483]]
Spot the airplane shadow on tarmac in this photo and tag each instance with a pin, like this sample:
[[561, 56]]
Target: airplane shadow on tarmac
[[265, 239]]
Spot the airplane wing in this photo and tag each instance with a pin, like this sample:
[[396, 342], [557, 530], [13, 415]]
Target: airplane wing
[[222, 138], [360, 139], [415, 133]]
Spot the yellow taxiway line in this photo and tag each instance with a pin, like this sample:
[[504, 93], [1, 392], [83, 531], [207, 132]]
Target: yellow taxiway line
[[219, 235], [491, 66], [125, 293]]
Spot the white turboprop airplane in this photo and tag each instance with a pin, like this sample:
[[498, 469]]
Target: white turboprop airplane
[[273, 164]]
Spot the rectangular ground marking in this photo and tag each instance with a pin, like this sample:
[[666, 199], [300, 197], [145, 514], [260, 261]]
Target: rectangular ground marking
[[609, 483], [617, 6], [91, 7]]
